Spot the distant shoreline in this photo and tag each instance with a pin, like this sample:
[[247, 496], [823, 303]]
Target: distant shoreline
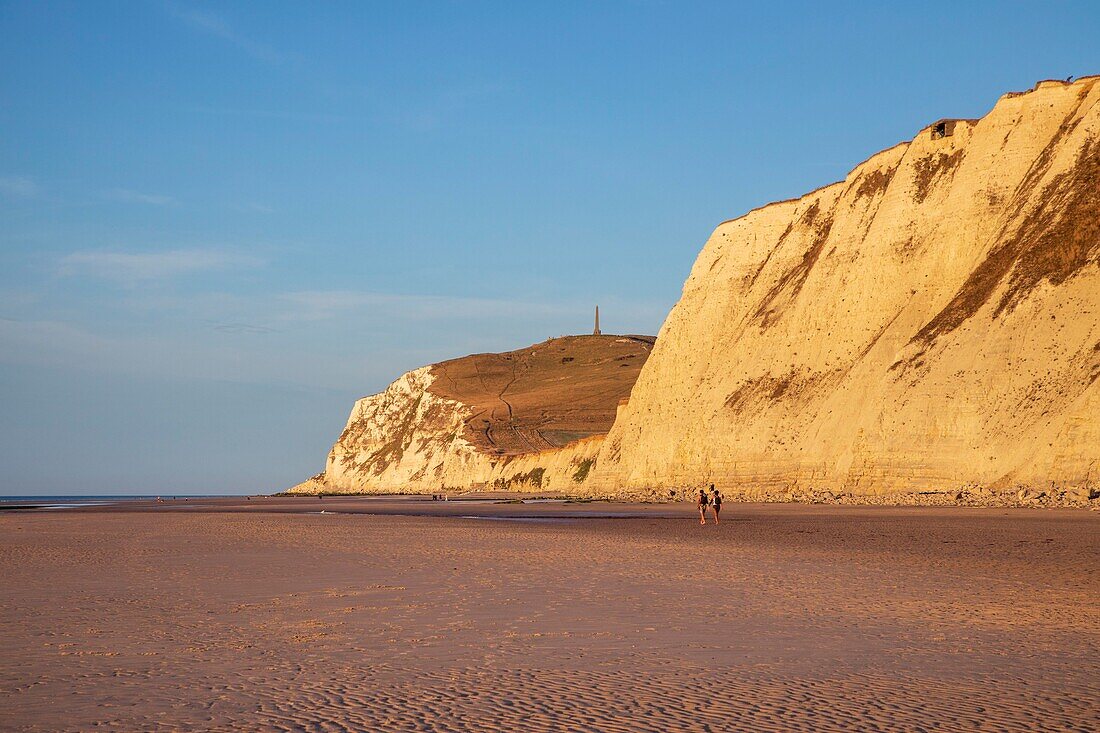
[[493, 506]]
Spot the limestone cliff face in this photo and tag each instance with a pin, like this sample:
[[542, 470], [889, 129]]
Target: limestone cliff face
[[529, 419], [929, 323], [409, 440], [403, 439]]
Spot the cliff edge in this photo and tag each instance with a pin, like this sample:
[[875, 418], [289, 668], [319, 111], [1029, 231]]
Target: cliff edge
[[530, 418], [927, 327], [930, 323]]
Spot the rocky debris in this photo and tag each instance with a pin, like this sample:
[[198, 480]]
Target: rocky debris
[[973, 496]]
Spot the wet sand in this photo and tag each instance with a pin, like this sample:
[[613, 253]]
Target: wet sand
[[399, 614]]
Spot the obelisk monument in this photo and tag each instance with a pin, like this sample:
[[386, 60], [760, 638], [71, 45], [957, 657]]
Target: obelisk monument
[[596, 330]]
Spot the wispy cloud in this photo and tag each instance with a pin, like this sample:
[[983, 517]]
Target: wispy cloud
[[241, 328], [446, 105], [322, 304], [300, 337], [425, 111], [272, 114], [472, 91], [18, 186], [168, 353], [137, 197], [254, 208], [142, 266], [217, 27]]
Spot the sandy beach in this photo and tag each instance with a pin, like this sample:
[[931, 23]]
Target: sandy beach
[[411, 615]]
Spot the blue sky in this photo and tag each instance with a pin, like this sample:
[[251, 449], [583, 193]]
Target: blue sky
[[220, 223]]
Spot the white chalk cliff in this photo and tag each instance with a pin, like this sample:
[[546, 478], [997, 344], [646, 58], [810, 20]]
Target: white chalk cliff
[[930, 323], [526, 419]]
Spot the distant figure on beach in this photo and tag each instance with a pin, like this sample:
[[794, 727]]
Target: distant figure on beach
[[702, 501], [715, 502]]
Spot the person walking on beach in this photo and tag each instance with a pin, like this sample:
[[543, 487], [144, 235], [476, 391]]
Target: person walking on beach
[[715, 502], [702, 501]]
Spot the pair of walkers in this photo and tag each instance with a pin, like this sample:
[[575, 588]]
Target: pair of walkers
[[714, 501]]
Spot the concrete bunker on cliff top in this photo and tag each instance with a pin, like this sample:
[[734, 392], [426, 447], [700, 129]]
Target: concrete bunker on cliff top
[[943, 128]]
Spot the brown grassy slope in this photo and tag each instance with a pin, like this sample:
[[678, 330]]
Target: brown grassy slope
[[545, 395]]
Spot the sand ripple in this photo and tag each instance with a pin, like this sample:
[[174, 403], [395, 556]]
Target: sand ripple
[[779, 621]]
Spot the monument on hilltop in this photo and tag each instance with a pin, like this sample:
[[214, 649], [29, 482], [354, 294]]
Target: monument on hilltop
[[596, 330]]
